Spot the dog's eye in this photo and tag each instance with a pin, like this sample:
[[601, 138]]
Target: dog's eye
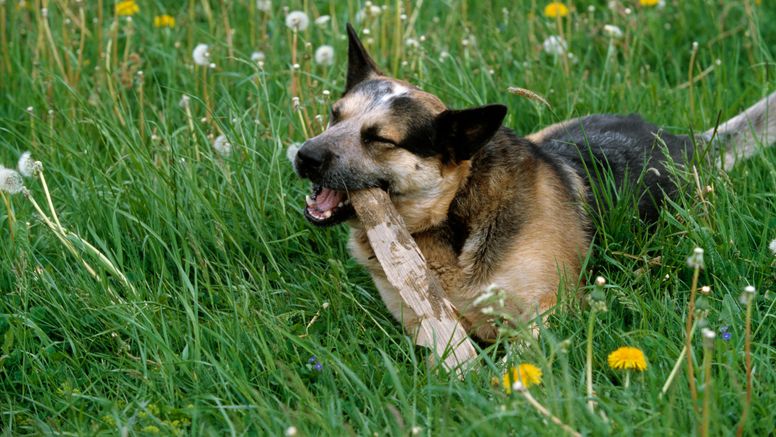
[[369, 138]]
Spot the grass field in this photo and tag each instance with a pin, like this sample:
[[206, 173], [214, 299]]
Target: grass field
[[213, 294]]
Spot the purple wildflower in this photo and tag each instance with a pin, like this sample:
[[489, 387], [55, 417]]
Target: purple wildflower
[[723, 331], [318, 367], [313, 359]]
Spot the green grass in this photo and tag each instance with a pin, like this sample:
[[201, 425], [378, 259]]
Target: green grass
[[234, 291]]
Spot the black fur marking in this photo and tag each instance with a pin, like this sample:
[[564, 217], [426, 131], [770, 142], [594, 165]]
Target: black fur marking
[[420, 133], [360, 64], [625, 146]]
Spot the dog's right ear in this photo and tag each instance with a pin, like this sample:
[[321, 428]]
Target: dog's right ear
[[360, 65]]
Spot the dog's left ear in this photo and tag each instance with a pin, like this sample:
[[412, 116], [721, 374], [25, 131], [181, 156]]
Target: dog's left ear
[[360, 64], [461, 133]]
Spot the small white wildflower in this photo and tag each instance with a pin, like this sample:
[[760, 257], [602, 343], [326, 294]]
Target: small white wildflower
[[291, 152], [212, 66], [518, 386], [10, 181], [705, 290], [184, 102], [555, 45], [695, 261], [264, 5], [201, 54], [322, 20], [258, 56], [290, 431], [325, 305], [324, 55], [612, 31], [297, 20], [772, 246], [30, 109], [628, 11], [416, 430], [591, 9], [412, 43], [222, 146], [661, 4], [26, 165]]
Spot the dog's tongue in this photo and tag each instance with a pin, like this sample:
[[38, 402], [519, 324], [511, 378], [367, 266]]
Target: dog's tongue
[[328, 199]]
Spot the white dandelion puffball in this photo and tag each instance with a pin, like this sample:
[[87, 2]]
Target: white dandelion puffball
[[612, 31], [184, 101], [292, 151], [322, 20], [222, 146], [201, 54], [264, 5], [258, 56], [324, 55], [555, 45], [10, 181], [772, 246], [26, 165], [297, 20]]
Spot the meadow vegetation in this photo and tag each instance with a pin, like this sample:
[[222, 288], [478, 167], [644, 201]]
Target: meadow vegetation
[[157, 275]]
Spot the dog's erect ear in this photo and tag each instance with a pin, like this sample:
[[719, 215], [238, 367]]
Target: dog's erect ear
[[360, 64], [461, 133]]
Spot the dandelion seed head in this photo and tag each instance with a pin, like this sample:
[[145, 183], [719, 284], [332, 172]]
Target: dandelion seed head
[[772, 246], [184, 101], [10, 181], [257, 56], [26, 165], [212, 66], [324, 55], [555, 45], [291, 152], [30, 109], [600, 281], [222, 146], [290, 431], [297, 20], [695, 261], [201, 54], [612, 31], [322, 20], [264, 5]]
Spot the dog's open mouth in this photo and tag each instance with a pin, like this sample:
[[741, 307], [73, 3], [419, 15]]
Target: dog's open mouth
[[326, 206]]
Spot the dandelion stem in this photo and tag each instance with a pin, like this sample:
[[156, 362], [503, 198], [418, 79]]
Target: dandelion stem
[[11, 217], [748, 358], [688, 337], [627, 379], [589, 361], [707, 352], [48, 197], [676, 368], [4, 40], [544, 411]]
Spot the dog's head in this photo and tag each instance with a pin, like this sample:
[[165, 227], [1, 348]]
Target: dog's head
[[386, 133]]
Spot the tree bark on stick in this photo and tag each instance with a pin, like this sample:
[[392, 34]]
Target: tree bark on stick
[[407, 271]]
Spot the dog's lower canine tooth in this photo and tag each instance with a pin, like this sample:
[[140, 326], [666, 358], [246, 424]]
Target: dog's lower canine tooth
[[339, 205], [309, 200], [327, 214]]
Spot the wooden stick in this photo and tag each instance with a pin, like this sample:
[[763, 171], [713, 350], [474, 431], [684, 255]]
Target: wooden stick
[[407, 271]]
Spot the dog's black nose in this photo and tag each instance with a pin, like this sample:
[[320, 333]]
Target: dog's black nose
[[311, 160]]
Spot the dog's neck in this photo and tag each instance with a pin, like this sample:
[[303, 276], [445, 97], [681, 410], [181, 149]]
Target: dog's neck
[[425, 210]]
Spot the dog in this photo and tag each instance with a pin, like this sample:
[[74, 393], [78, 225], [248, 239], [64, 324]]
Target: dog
[[485, 206]]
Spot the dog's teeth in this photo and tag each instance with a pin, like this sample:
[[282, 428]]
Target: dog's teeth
[[309, 200], [339, 205], [327, 214]]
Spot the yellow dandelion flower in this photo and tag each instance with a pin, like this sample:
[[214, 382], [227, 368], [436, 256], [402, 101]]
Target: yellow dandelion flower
[[628, 358], [556, 9], [127, 8], [164, 21], [649, 2], [526, 373]]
